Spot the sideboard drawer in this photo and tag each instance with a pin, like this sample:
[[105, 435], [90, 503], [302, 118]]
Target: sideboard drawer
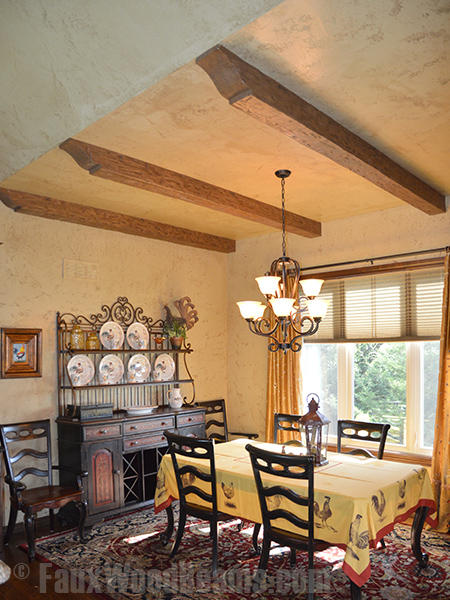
[[192, 419], [102, 432], [133, 427], [131, 443]]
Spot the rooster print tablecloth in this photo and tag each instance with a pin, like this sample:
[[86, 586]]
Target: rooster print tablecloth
[[357, 500]]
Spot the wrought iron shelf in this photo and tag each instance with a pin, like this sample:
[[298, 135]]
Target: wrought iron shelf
[[129, 351], [123, 393], [126, 385]]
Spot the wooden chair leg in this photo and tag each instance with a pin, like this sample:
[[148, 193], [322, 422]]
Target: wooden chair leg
[[293, 557], [11, 523], [81, 523], [28, 520], [52, 520], [256, 530], [260, 573], [180, 531], [215, 540]]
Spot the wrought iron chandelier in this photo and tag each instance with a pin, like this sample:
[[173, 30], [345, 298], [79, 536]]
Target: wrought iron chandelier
[[280, 286]]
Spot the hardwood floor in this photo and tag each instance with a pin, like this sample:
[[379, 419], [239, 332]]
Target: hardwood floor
[[36, 579]]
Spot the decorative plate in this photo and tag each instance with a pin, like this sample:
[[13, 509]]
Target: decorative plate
[[81, 370], [139, 410], [138, 368], [137, 336], [111, 336], [110, 369], [163, 368]]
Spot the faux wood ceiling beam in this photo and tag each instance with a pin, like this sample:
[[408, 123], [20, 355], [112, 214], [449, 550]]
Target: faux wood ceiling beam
[[262, 98], [49, 208], [137, 173]]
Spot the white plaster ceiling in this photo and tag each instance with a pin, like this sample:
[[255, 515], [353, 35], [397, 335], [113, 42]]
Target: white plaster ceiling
[[381, 69]]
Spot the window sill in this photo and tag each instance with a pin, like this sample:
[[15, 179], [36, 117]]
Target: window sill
[[401, 457]]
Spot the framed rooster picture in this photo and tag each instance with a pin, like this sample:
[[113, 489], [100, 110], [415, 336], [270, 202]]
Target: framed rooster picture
[[21, 352]]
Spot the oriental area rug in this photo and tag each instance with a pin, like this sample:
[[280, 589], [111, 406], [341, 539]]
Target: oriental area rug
[[124, 559]]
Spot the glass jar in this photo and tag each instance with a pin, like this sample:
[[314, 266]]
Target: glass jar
[[77, 338], [92, 341]]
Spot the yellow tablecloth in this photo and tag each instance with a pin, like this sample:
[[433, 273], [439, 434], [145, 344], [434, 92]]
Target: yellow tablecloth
[[357, 500]]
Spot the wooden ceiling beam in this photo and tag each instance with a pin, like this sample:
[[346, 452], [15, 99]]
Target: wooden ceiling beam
[[264, 99], [49, 208], [146, 176]]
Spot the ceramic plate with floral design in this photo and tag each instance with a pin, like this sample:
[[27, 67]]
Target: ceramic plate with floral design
[[111, 336], [81, 370], [163, 368], [137, 336], [138, 368], [110, 369]]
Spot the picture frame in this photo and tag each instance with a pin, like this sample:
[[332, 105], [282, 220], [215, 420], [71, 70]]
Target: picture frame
[[21, 353]]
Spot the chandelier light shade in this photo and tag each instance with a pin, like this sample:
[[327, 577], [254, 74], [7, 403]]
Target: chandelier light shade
[[295, 315]]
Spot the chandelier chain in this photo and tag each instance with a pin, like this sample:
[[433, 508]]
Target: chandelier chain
[[283, 218]]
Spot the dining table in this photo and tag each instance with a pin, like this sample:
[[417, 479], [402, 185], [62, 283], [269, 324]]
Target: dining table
[[357, 500]]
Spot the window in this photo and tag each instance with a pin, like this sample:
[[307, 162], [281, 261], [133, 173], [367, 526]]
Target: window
[[376, 354], [377, 381]]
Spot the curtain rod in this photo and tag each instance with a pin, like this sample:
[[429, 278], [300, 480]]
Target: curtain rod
[[370, 260]]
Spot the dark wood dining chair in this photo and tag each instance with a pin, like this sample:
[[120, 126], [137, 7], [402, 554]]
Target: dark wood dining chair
[[216, 422], [286, 422], [287, 468], [27, 452], [189, 478], [362, 432]]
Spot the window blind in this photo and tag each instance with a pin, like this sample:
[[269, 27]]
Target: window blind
[[399, 306]]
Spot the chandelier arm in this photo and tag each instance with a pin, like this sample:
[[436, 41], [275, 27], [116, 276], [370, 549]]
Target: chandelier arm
[[257, 327], [274, 345], [295, 345], [313, 326]]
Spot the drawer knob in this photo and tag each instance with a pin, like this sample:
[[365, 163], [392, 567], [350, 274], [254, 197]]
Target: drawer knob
[[134, 443], [163, 423], [189, 419], [134, 427], [103, 431]]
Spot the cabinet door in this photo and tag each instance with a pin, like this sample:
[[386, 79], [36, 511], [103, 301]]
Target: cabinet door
[[105, 477]]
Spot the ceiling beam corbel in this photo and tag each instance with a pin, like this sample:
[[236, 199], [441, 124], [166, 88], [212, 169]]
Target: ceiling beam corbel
[[119, 168], [264, 99], [50, 208]]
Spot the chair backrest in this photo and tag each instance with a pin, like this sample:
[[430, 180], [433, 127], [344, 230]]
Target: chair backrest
[[363, 432], [216, 420], [285, 422], [25, 441], [187, 475], [285, 467]]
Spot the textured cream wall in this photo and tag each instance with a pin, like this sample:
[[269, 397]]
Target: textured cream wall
[[378, 234], [67, 64], [148, 272]]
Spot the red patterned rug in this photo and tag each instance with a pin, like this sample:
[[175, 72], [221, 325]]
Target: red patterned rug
[[124, 559]]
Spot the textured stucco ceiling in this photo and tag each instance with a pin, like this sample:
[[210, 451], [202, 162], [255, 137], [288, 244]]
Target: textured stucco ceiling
[[380, 69]]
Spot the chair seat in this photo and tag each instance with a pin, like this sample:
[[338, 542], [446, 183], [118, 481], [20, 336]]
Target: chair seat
[[220, 515], [319, 545], [48, 495]]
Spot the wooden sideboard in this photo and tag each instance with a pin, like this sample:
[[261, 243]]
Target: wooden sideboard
[[121, 455]]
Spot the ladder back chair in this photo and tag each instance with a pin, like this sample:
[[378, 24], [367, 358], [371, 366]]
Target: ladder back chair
[[27, 452], [216, 422], [286, 422], [362, 432], [278, 500], [189, 480]]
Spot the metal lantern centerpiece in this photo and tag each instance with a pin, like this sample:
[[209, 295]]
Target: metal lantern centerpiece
[[314, 431], [280, 286]]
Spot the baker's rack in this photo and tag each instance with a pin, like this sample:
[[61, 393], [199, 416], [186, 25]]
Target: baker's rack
[[123, 393]]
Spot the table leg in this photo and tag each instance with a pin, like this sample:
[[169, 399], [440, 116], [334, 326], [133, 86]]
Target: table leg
[[416, 531], [167, 534], [355, 591]]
